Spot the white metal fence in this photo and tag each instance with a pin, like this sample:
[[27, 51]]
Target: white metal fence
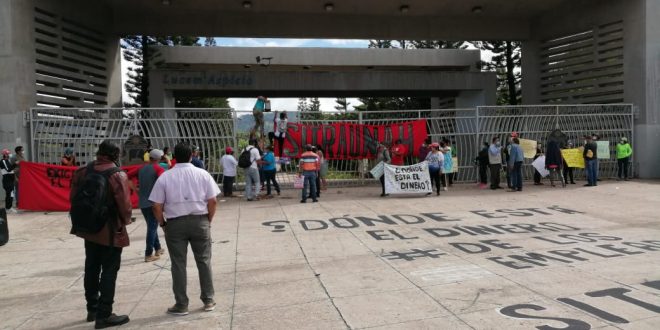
[[55, 129]]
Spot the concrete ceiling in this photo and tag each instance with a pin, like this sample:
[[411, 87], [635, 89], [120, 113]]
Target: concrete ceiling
[[363, 19]]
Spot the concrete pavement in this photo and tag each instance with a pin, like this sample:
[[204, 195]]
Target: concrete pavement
[[578, 258]]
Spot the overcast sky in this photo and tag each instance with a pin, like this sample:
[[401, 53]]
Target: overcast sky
[[289, 104]]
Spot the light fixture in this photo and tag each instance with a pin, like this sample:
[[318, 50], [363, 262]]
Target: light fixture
[[166, 2], [247, 66], [477, 10], [247, 4], [307, 67], [329, 6], [404, 9]]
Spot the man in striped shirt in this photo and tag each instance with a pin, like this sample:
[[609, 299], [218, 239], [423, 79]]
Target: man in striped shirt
[[309, 166]]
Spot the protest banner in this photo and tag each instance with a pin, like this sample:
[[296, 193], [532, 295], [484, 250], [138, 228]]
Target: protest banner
[[573, 157], [528, 148], [45, 187], [346, 140], [539, 165], [377, 171], [603, 150], [407, 179]]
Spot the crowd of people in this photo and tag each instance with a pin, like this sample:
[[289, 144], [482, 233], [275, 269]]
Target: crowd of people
[[509, 158]]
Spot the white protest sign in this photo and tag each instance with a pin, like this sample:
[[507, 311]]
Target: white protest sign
[[539, 165], [377, 171], [603, 149], [407, 179]]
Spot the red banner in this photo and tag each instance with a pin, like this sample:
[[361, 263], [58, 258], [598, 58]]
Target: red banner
[[44, 187], [344, 140]]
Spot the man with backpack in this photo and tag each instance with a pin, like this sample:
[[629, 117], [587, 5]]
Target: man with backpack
[[249, 160], [100, 210]]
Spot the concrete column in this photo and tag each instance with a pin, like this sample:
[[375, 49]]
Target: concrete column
[[115, 86], [530, 72], [17, 76], [642, 81]]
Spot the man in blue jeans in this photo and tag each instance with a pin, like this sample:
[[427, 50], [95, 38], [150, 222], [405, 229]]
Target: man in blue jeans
[[309, 166], [590, 161], [147, 177], [515, 162]]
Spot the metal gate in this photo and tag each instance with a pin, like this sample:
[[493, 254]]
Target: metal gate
[[55, 129]]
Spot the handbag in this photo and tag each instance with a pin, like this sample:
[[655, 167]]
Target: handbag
[[299, 182]]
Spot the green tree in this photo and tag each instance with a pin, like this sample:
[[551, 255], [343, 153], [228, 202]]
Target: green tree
[[302, 104], [314, 104], [506, 63], [342, 104], [137, 50], [210, 42]]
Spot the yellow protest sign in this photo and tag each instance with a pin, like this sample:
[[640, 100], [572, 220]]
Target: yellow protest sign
[[573, 157], [528, 148]]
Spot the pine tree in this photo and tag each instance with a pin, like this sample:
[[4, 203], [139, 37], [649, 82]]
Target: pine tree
[[137, 50], [210, 42], [506, 63], [314, 104], [342, 104], [302, 104]]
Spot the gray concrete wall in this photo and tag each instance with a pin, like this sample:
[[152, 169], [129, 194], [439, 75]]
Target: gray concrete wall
[[310, 83], [17, 77], [17, 60], [337, 58], [641, 20]]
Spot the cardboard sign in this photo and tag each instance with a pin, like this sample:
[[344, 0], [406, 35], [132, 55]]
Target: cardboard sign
[[603, 149], [573, 157], [539, 165], [528, 148], [407, 179], [377, 171]]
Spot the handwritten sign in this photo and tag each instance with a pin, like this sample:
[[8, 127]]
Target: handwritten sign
[[407, 179], [603, 150], [377, 171], [573, 157], [528, 148]]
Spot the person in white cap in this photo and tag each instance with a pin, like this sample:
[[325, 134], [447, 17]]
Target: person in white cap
[[147, 177]]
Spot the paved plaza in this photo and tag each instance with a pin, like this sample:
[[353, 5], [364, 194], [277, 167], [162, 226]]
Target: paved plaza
[[573, 258]]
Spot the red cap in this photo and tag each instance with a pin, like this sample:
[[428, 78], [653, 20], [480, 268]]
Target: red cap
[[229, 150], [435, 145], [6, 152], [514, 134]]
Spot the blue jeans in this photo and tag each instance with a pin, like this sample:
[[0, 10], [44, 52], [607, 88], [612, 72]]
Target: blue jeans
[[310, 181], [252, 179], [152, 231], [516, 176], [592, 171]]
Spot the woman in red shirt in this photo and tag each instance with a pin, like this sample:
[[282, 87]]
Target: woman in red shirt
[[399, 151]]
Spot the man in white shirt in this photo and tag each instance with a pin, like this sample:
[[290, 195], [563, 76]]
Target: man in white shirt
[[229, 163], [252, 180], [184, 204]]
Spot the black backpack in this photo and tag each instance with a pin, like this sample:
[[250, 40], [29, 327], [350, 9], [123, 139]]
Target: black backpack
[[92, 205], [244, 160]]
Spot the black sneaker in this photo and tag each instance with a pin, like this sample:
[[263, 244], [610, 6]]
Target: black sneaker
[[177, 310], [303, 201], [111, 321]]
